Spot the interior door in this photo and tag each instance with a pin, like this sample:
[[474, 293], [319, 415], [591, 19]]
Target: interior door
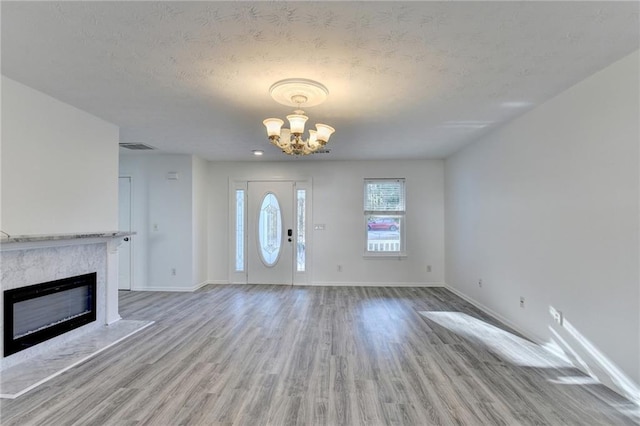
[[270, 233], [124, 224]]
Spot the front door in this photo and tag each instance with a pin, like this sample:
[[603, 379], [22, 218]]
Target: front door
[[270, 232]]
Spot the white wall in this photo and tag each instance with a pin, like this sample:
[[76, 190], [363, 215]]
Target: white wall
[[59, 166], [162, 217], [338, 203], [547, 208], [200, 221]]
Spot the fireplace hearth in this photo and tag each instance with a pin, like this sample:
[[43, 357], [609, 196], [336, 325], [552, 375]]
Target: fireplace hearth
[[43, 311]]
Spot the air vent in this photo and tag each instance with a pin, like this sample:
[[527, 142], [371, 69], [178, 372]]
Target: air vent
[[136, 146]]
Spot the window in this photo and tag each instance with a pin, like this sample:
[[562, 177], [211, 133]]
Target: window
[[301, 255], [270, 230], [239, 230], [384, 213]]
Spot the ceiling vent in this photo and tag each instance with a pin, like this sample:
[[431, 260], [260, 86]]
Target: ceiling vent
[[136, 146]]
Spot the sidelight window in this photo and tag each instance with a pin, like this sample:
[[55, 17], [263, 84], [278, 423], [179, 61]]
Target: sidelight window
[[301, 253], [239, 230]]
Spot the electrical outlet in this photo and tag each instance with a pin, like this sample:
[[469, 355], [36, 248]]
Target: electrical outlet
[[480, 283], [558, 317], [428, 268], [521, 302], [173, 271], [339, 268]]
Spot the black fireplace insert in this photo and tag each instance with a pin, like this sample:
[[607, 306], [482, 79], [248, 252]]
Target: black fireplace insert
[[40, 312]]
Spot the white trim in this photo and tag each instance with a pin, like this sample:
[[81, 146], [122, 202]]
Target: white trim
[[495, 315], [115, 319], [198, 286], [131, 239], [295, 177], [374, 284], [388, 255], [71, 241], [298, 182], [181, 289], [401, 251], [172, 289]]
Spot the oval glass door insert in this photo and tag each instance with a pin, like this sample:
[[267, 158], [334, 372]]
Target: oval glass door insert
[[269, 229]]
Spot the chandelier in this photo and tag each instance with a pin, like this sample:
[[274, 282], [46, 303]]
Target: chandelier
[[296, 92]]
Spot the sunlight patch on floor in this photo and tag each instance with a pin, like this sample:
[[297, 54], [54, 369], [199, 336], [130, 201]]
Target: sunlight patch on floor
[[575, 380], [505, 345]]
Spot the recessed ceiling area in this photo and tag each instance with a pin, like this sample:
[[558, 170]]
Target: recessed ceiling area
[[405, 79]]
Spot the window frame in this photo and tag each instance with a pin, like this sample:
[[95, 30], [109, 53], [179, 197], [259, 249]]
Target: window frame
[[398, 215]]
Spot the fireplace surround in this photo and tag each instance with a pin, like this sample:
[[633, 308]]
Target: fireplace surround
[[34, 259]]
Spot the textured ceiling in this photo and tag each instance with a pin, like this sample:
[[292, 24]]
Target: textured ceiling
[[406, 80]]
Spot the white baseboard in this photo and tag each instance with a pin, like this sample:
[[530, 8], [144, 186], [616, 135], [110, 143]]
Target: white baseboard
[[181, 289], [114, 320], [346, 284], [372, 284], [202, 284], [495, 315], [172, 289]]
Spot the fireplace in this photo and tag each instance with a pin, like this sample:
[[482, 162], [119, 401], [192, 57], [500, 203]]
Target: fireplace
[[41, 312]]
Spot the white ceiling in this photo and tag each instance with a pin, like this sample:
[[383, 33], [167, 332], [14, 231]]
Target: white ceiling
[[406, 79]]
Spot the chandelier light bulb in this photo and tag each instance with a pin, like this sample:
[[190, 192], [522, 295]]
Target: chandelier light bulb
[[296, 122], [273, 126], [324, 132]]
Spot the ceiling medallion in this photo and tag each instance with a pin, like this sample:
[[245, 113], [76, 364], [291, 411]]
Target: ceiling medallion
[[297, 92]]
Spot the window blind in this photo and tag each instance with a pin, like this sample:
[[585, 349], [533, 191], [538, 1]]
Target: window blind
[[384, 195]]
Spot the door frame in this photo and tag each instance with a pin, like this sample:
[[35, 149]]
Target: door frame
[[131, 239], [242, 183]]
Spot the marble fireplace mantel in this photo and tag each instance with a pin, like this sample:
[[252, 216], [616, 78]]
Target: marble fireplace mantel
[[22, 242]]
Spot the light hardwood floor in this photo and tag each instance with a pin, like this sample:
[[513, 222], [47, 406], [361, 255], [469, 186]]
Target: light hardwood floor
[[281, 355]]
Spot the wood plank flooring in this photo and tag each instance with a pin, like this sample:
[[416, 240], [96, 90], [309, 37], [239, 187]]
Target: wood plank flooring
[[279, 355]]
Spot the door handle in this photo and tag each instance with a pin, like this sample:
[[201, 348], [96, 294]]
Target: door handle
[[126, 238]]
